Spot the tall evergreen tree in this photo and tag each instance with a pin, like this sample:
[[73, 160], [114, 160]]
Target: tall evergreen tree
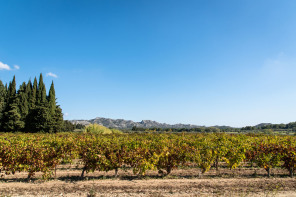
[[58, 120], [29, 126], [29, 93], [22, 100], [33, 98], [56, 115], [41, 91], [12, 119], [11, 116], [11, 92], [52, 99], [2, 102], [38, 120]]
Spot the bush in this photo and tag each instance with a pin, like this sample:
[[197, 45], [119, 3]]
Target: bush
[[96, 128], [116, 131]]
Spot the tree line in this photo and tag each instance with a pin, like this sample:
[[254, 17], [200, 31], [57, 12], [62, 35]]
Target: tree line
[[290, 126], [29, 109]]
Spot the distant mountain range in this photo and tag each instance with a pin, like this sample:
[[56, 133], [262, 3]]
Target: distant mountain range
[[128, 124]]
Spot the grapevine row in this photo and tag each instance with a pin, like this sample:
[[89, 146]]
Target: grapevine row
[[163, 152]]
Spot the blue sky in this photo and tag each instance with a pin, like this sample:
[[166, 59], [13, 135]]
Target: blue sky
[[204, 62]]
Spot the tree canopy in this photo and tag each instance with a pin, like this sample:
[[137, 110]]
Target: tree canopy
[[29, 109]]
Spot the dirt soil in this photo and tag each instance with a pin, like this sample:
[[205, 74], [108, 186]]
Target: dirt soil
[[182, 182]]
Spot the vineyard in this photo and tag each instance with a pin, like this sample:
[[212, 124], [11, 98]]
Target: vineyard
[[32, 153]]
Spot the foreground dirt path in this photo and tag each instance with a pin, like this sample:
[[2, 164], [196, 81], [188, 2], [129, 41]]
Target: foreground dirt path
[[155, 187]]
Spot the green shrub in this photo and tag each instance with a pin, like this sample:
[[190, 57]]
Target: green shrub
[[96, 128], [116, 131]]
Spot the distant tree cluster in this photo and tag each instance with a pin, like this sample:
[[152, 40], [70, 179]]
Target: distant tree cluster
[[290, 126], [29, 109]]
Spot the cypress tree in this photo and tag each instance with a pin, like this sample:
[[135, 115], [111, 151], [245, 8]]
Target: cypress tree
[[33, 98], [58, 120], [22, 100], [38, 120], [56, 115], [29, 125], [52, 99], [42, 117], [28, 92], [41, 91], [11, 92], [2, 102], [11, 116], [12, 120], [29, 84]]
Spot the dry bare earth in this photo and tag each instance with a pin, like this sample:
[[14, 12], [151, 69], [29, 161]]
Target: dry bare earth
[[182, 182]]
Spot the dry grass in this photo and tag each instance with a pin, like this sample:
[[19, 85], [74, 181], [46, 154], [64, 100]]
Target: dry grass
[[182, 182]]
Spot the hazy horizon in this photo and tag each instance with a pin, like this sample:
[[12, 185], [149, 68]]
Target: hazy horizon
[[191, 62]]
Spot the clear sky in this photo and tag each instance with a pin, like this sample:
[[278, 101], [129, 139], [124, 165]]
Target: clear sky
[[204, 62]]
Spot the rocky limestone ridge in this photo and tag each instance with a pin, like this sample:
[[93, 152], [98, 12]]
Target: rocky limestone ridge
[[128, 124]]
